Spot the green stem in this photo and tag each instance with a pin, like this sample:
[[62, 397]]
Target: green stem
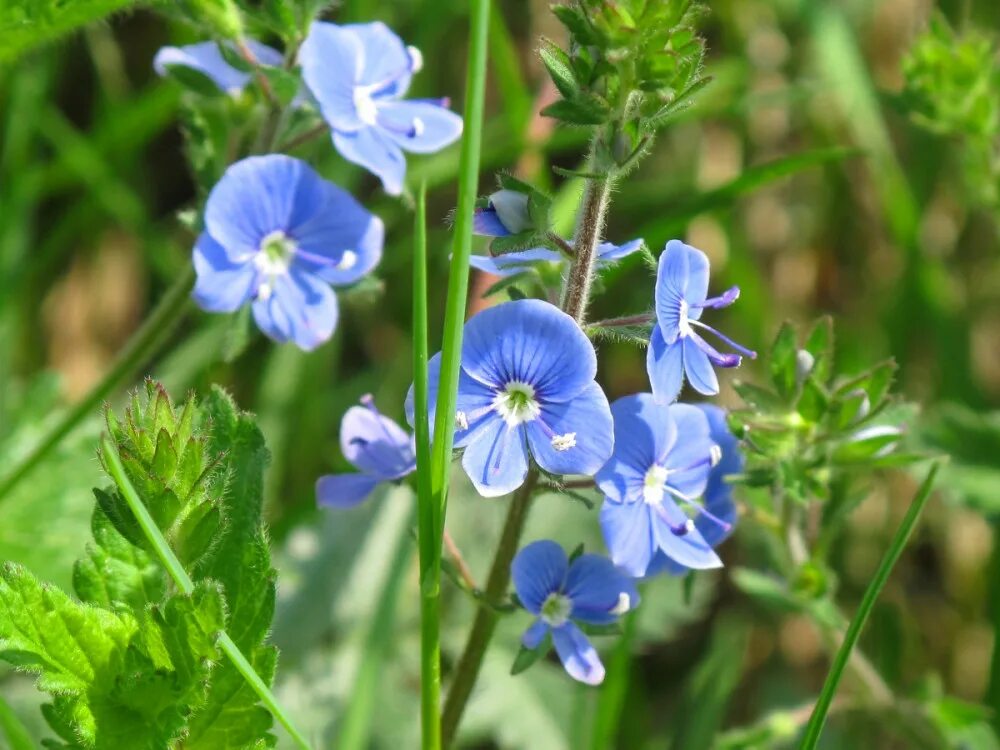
[[458, 282], [486, 617], [427, 515], [815, 727], [142, 347], [184, 583]]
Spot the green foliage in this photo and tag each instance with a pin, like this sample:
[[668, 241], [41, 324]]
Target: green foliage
[[953, 89], [813, 427], [25, 24], [631, 64], [132, 663]]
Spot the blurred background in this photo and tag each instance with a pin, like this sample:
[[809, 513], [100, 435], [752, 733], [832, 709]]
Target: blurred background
[[805, 175]]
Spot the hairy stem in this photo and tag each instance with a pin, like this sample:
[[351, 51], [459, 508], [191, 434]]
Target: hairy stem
[[588, 237], [486, 617], [143, 346]]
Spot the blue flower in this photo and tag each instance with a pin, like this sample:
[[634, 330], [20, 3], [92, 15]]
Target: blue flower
[[507, 214], [357, 73], [278, 234], [589, 590], [676, 350], [376, 446], [526, 381], [661, 463], [207, 59], [718, 499]]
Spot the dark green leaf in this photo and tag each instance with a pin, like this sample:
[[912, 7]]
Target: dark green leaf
[[526, 657], [585, 110], [782, 361], [560, 68]]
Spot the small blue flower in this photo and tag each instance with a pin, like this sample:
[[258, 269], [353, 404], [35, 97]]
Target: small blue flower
[[358, 74], [377, 447], [716, 526], [507, 214], [663, 456], [526, 381], [676, 350], [589, 590], [279, 235], [206, 58]]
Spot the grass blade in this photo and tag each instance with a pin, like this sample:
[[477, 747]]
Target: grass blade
[[815, 727], [12, 730]]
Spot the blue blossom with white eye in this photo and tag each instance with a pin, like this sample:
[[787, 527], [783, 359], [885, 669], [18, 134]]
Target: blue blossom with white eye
[[676, 349], [718, 524], [278, 235], [660, 467], [507, 214], [377, 447], [207, 59], [526, 383], [558, 592], [358, 74]]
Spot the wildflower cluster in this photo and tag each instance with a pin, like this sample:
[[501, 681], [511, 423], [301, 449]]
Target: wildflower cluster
[[276, 234]]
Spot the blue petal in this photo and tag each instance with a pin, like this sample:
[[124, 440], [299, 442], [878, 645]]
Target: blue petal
[[386, 63], [510, 263], [628, 535], [692, 449], [578, 657], [344, 490], [257, 196], [644, 433], [681, 278], [538, 569], [301, 308], [608, 252], [486, 222], [331, 60], [588, 419], [343, 241], [718, 494], [690, 549], [599, 591], [420, 127], [512, 210], [371, 149], [496, 458], [532, 342], [698, 367], [206, 58], [375, 444], [222, 285], [474, 401], [665, 366], [532, 637]]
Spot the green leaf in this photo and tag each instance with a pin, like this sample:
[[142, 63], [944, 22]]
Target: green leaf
[[819, 343], [584, 110], [12, 730], [25, 24], [758, 398], [560, 68], [526, 657], [782, 361]]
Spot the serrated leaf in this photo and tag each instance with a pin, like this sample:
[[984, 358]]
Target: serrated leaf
[[560, 69]]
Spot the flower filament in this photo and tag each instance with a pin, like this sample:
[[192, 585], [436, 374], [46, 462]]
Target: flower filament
[[555, 609]]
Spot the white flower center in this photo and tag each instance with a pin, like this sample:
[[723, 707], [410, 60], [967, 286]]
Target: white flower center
[[516, 403], [364, 105], [564, 442], [273, 258], [556, 609], [652, 490], [683, 324]]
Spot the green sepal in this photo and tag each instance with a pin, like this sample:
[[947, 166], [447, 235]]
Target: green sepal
[[560, 68], [526, 657]]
